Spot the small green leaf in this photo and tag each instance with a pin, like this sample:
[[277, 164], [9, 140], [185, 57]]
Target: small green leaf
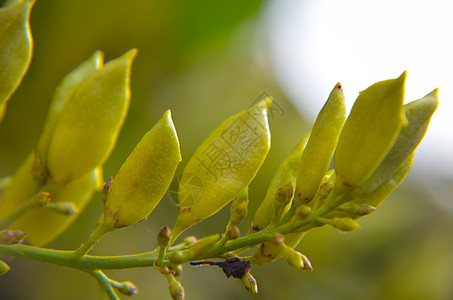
[[225, 163], [90, 121], [16, 46], [321, 145], [144, 177], [370, 131], [285, 173], [418, 114]]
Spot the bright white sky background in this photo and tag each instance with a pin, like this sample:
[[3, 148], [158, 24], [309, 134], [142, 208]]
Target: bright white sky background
[[316, 44]]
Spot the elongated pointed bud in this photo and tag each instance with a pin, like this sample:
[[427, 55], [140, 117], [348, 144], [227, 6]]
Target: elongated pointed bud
[[370, 131], [64, 208], [4, 268], [249, 283], [418, 114], [345, 224], [225, 163], [163, 237], [126, 288], [285, 173], [16, 46], [144, 177], [61, 96], [317, 155], [175, 288], [90, 120]]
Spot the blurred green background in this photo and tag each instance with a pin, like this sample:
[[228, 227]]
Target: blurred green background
[[205, 61]]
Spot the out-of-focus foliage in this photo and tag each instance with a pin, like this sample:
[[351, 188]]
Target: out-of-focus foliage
[[204, 58]]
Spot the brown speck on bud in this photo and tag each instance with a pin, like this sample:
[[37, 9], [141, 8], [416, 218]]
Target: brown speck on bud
[[107, 184]]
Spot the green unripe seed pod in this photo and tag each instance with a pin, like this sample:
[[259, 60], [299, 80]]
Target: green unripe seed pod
[[144, 177], [90, 120]]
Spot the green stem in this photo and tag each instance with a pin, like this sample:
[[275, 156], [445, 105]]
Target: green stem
[[94, 238], [105, 284]]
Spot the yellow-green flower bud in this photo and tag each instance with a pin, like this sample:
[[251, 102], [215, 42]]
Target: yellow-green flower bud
[[4, 268], [316, 158], [62, 95], [225, 163], [163, 237], [345, 224], [16, 45], [418, 114], [370, 131], [249, 283], [175, 287], [144, 177], [90, 121], [285, 173]]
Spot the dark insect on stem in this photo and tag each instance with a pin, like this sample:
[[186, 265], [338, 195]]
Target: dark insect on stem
[[233, 266]]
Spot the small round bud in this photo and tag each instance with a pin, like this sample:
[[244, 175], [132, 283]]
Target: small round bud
[[4, 268], [233, 233], [40, 200], [278, 239], [249, 283], [345, 224], [126, 288], [163, 238], [175, 288], [302, 211]]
